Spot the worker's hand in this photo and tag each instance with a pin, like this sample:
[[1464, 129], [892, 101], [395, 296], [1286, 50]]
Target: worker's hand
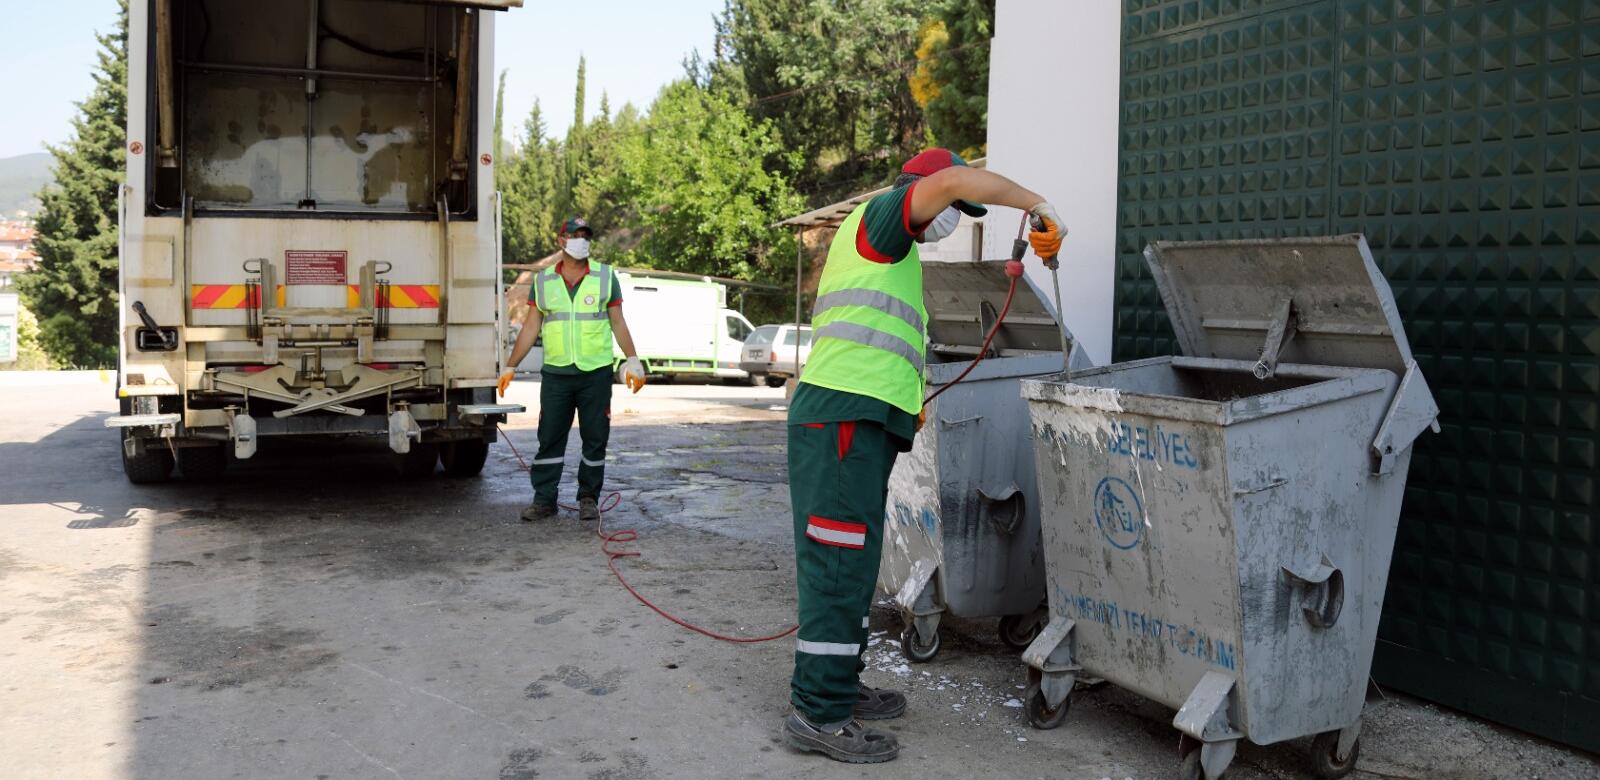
[[1048, 230], [633, 374], [922, 417], [505, 381]]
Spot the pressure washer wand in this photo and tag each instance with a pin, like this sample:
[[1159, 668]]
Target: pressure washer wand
[[1019, 247]]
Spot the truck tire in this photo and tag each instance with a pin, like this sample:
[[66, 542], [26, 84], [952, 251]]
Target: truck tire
[[419, 462], [775, 381], [203, 464], [155, 465], [464, 458]]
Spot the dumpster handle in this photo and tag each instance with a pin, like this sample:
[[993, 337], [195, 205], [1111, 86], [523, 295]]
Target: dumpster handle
[[1328, 582]]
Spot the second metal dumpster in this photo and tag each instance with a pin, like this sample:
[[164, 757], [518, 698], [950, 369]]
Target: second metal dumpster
[[962, 527], [1218, 527]]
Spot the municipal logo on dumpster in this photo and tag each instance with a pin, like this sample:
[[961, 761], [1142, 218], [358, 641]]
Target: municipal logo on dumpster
[[1118, 513]]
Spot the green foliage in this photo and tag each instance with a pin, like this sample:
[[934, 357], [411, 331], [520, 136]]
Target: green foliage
[[31, 355], [707, 196], [528, 184], [834, 78], [74, 289], [955, 62]]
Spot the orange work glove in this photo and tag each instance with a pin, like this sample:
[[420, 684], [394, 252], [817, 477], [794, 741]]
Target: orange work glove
[[633, 374], [505, 381], [1048, 231], [922, 418]]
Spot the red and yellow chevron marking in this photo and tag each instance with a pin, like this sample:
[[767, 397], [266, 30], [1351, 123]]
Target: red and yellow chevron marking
[[220, 296], [401, 296], [233, 296]]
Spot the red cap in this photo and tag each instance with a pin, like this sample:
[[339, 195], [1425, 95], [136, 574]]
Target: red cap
[[932, 161]]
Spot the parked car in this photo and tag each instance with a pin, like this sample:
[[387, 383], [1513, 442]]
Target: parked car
[[769, 352]]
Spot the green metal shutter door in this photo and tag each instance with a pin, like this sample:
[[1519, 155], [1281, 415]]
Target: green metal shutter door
[[1463, 138]]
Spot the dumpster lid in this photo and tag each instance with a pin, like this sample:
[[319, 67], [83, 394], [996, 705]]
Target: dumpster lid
[[1225, 298], [963, 300]]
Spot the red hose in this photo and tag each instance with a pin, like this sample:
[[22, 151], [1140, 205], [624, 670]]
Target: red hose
[[629, 535]]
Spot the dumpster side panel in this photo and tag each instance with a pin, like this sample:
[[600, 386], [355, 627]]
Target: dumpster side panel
[[1139, 549], [1303, 493], [964, 501], [912, 547]]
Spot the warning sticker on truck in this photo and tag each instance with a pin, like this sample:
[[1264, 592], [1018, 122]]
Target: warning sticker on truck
[[306, 266]]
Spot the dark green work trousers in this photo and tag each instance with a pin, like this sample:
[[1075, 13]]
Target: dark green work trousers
[[838, 483], [560, 395]]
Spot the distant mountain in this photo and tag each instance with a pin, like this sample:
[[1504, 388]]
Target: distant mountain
[[21, 178]]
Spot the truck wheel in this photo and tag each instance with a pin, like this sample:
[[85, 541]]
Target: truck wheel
[[419, 462], [155, 465], [464, 458], [203, 464], [775, 381]]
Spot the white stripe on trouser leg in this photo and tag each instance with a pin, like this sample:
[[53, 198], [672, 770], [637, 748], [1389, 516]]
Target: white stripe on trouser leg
[[546, 461], [864, 621], [595, 463], [826, 648], [840, 537]]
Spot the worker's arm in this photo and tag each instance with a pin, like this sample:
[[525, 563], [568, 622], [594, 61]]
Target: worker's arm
[[974, 185], [632, 368], [530, 331], [619, 328]]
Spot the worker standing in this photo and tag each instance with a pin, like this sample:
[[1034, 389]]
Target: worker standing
[[858, 405], [575, 306]]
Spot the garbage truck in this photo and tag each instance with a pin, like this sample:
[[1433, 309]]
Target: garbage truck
[[310, 236]]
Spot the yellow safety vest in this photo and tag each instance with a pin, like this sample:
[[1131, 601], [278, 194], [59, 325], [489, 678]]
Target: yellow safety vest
[[869, 332], [577, 328]]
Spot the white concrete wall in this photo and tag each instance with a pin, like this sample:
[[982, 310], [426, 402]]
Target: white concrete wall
[[1053, 106]]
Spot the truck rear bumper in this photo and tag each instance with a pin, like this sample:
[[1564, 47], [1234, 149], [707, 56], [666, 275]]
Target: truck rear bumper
[[142, 420]]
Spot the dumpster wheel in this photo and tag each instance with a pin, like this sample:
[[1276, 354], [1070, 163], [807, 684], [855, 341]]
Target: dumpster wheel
[[1189, 768], [1019, 631], [1325, 763], [1040, 715], [913, 649]]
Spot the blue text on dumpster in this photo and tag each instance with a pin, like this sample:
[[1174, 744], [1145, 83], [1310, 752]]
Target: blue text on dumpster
[[1153, 444], [1187, 640]]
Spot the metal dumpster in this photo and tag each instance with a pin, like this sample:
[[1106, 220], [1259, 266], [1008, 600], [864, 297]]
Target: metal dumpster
[[962, 527], [1218, 527]]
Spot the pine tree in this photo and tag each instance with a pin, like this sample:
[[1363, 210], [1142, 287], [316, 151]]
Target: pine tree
[[74, 289], [953, 66]]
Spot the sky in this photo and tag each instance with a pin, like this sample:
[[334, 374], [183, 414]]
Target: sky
[[633, 48]]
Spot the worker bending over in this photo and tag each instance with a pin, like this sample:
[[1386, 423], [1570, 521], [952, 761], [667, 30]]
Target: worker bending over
[[858, 405], [575, 306]]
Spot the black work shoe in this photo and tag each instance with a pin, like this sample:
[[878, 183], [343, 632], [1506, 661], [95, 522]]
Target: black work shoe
[[878, 703], [588, 510], [849, 742], [536, 512]]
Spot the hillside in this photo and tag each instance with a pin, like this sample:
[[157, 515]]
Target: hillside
[[21, 177]]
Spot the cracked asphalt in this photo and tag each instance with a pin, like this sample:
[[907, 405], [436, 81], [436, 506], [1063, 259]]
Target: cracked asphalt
[[314, 617]]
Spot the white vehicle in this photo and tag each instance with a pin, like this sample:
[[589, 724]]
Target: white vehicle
[[771, 352], [682, 327], [310, 231]]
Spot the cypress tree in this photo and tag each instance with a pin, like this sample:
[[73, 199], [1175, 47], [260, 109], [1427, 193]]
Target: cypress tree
[[74, 289]]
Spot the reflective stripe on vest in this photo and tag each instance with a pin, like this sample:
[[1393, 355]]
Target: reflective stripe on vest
[[870, 325], [576, 328], [865, 297]]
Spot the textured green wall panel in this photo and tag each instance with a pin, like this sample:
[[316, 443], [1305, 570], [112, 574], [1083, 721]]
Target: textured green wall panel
[[1463, 138]]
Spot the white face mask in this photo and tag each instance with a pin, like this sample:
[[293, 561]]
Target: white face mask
[[578, 247], [941, 226]]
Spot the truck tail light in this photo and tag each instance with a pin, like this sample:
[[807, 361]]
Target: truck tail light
[[772, 357]]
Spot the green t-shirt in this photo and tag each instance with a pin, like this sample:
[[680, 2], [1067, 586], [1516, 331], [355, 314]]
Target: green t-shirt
[[886, 235], [572, 291]]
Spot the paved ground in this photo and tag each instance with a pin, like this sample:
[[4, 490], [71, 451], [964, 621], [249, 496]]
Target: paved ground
[[313, 617]]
